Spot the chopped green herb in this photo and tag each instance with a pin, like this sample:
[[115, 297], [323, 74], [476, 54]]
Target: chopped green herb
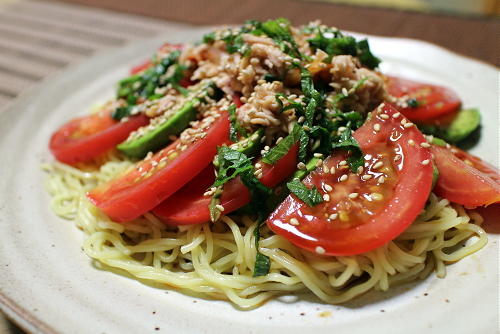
[[412, 103], [311, 196], [262, 264], [121, 112], [334, 43], [349, 143], [282, 148], [236, 129], [209, 38]]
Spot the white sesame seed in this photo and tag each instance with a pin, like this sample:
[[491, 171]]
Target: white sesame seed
[[353, 195], [377, 165], [320, 250], [326, 197], [258, 165], [396, 115], [426, 162], [424, 144], [381, 179], [376, 196], [328, 187], [219, 207], [333, 216], [376, 127], [319, 163], [342, 129], [294, 221], [318, 155], [360, 169], [278, 140], [332, 170], [343, 163], [301, 166], [366, 177], [326, 170], [397, 158], [408, 125], [301, 119], [403, 121], [384, 116], [344, 91], [411, 142], [343, 178]]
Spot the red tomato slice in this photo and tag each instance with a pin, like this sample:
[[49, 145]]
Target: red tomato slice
[[361, 213], [464, 178], [189, 206], [154, 179], [85, 138], [141, 67], [433, 101]]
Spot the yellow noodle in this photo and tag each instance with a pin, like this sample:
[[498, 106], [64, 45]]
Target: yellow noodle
[[216, 259]]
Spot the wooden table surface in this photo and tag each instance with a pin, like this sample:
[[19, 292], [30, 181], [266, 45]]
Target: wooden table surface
[[40, 38]]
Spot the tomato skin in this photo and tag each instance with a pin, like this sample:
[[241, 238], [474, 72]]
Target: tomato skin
[[189, 206], [434, 101], [141, 67], [472, 184], [131, 194], [85, 138], [409, 192]]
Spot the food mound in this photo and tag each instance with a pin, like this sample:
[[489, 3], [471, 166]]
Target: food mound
[[267, 160]]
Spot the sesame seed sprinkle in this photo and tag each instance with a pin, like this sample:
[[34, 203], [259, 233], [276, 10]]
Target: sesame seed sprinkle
[[376, 196], [397, 158], [318, 155], [294, 221], [328, 187], [219, 207], [396, 115], [381, 179], [425, 144], [408, 125], [360, 169], [426, 162], [326, 197], [320, 250], [343, 163], [377, 165], [353, 195], [332, 170], [366, 177], [384, 116], [301, 166], [333, 216], [411, 142], [319, 163], [376, 127], [326, 170], [343, 178]]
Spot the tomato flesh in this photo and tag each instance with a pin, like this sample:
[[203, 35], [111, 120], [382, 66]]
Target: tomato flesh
[[190, 206], [464, 178], [154, 179], [85, 138], [433, 101], [361, 211]]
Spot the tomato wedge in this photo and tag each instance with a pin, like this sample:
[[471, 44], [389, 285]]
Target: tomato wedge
[[189, 206], [85, 138], [432, 101], [464, 178], [362, 211], [155, 178]]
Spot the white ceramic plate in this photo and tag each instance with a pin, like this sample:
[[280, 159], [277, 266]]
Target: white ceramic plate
[[49, 285]]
